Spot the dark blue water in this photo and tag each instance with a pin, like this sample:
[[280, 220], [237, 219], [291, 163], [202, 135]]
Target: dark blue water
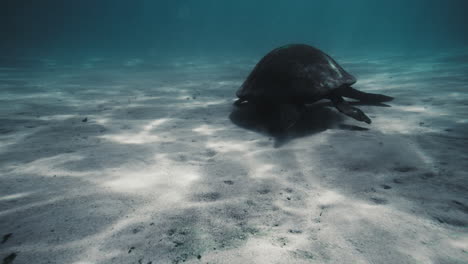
[[66, 28]]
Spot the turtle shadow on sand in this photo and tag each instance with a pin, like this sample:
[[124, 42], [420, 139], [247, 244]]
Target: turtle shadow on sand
[[315, 118], [278, 94]]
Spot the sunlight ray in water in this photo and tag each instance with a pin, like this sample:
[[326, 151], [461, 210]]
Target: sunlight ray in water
[[226, 145], [207, 130], [168, 183], [15, 196], [142, 136], [161, 177]]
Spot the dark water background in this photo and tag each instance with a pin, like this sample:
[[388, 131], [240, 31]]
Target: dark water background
[[166, 28]]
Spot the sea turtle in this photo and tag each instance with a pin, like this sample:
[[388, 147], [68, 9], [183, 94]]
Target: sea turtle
[[291, 76]]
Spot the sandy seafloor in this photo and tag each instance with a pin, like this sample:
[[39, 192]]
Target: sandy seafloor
[[140, 161]]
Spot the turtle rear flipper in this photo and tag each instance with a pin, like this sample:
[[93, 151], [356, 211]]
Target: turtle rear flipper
[[350, 92], [349, 110]]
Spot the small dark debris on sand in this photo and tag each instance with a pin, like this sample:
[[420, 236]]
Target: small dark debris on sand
[[302, 254], [177, 243], [6, 237], [9, 259], [229, 182], [264, 191], [208, 197], [450, 221], [295, 231], [460, 206], [404, 169], [140, 261], [377, 200]]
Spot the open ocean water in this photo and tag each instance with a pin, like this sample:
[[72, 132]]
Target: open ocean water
[[119, 141]]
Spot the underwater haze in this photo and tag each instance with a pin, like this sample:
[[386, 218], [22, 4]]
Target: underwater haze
[[188, 27], [121, 139]]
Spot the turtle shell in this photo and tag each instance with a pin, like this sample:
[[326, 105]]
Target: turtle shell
[[294, 73]]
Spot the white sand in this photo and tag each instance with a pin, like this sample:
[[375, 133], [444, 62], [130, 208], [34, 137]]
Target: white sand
[[159, 173]]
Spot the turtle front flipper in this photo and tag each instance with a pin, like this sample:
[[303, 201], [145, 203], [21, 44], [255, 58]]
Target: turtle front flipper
[[350, 92], [349, 110]]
